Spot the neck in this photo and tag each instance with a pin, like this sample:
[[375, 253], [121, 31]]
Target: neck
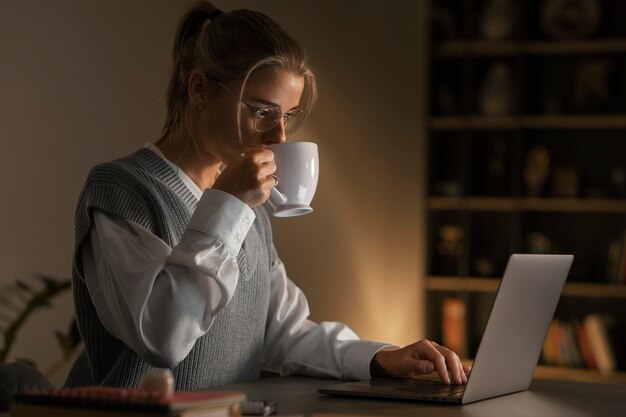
[[202, 168]]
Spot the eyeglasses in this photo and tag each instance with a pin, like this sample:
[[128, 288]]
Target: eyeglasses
[[266, 118]]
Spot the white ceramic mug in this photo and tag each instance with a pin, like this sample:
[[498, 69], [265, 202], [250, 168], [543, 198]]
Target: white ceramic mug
[[297, 169]]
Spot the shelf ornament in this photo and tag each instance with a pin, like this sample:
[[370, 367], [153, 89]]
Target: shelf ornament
[[570, 19], [496, 96], [498, 19], [536, 170]]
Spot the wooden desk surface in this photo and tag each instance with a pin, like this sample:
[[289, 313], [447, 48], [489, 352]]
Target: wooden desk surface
[[298, 395]]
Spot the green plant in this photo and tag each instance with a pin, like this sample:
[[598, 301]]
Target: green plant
[[20, 299]]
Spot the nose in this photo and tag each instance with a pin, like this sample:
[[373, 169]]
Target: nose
[[276, 134]]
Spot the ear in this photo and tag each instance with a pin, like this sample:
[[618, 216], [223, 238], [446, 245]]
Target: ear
[[198, 88]]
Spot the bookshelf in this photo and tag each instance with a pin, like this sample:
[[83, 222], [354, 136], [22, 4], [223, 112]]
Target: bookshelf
[[526, 142], [489, 285], [529, 122]]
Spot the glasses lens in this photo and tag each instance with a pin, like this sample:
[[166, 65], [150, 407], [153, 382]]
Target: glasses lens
[[295, 121], [266, 119]]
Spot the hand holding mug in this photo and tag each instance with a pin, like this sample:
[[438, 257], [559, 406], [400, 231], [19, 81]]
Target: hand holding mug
[[249, 177]]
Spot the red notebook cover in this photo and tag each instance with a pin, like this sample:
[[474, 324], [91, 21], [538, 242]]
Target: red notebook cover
[[128, 398]]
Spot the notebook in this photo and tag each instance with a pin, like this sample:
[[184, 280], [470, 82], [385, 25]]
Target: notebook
[[510, 346], [100, 401]]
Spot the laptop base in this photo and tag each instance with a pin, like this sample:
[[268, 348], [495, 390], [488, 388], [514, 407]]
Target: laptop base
[[399, 389]]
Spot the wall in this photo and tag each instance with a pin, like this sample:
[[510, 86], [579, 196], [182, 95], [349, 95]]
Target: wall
[[82, 82]]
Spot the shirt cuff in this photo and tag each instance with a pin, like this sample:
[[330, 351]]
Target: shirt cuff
[[224, 217], [357, 360]]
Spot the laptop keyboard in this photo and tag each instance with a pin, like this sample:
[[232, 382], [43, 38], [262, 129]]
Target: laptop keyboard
[[434, 390], [427, 389]]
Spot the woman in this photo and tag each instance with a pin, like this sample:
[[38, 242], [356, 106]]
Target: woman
[[174, 262]]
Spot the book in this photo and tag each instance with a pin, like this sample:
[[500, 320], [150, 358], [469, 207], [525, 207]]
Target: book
[[573, 354], [552, 345], [613, 261], [585, 346], [561, 346], [453, 325], [597, 332], [29, 410], [616, 262], [96, 401], [562, 359]]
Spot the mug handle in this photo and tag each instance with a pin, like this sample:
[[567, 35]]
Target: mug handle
[[276, 198]]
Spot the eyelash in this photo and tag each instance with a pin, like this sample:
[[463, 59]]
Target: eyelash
[[260, 110]]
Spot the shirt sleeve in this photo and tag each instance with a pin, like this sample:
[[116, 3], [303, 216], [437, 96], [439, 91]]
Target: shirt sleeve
[[156, 299], [296, 345]]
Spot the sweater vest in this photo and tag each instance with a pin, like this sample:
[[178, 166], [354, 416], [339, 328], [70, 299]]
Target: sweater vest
[[144, 189]]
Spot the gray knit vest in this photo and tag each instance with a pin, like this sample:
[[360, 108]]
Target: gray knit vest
[[144, 189]]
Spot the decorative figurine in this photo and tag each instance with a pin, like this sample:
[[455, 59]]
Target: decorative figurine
[[536, 170]]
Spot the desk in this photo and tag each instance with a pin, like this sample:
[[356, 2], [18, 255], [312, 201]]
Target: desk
[[298, 395]]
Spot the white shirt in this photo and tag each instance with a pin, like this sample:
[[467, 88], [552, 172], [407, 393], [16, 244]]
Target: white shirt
[[159, 300]]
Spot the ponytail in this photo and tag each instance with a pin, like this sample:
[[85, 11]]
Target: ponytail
[[183, 60], [192, 23]]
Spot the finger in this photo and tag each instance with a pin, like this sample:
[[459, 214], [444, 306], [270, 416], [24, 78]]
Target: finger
[[266, 174], [428, 351], [462, 378], [261, 162], [453, 362], [462, 373], [466, 370], [266, 165], [268, 182], [259, 155]]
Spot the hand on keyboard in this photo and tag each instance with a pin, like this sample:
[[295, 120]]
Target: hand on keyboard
[[418, 359]]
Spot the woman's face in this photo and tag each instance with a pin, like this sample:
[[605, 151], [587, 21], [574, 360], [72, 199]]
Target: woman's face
[[267, 87]]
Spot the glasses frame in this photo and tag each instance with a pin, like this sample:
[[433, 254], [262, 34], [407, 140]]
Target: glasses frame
[[258, 113]]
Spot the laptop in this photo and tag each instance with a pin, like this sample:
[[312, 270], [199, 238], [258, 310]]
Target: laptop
[[510, 346]]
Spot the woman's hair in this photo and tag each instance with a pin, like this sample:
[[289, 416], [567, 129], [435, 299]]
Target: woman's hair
[[228, 46]]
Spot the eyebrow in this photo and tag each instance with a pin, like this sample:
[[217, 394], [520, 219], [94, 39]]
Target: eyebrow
[[269, 103]]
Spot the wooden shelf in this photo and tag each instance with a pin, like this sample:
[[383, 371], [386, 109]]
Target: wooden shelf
[[579, 375], [457, 49], [572, 121], [490, 285], [560, 205]]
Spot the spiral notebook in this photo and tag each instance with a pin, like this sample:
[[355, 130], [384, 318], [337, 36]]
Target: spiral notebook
[[96, 401]]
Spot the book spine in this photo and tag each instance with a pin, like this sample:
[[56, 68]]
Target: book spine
[[453, 326], [574, 358], [613, 260], [585, 346], [621, 276], [549, 349], [596, 326]]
